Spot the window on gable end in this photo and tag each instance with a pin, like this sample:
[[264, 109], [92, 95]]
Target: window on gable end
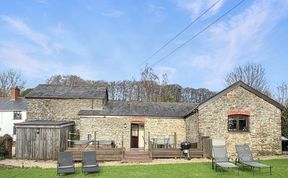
[[238, 123]]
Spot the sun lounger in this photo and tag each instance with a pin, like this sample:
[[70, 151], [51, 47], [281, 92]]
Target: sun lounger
[[65, 163], [220, 158], [89, 163], [245, 157]]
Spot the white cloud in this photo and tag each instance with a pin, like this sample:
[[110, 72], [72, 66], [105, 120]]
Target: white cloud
[[13, 57], [242, 35], [35, 37], [113, 13], [170, 71], [58, 29], [201, 62], [45, 2], [157, 11], [165, 70], [39, 60], [82, 70], [196, 7]]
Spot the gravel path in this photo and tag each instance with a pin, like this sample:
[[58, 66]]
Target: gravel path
[[52, 164]]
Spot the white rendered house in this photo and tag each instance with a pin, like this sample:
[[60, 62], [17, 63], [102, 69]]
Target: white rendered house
[[12, 110]]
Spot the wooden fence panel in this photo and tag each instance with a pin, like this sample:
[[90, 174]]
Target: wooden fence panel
[[206, 147]]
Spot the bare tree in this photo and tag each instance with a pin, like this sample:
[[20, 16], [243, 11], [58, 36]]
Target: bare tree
[[10, 79], [171, 93], [252, 74], [55, 80], [112, 88], [149, 88], [98, 83], [282, 94], [71, 80], [191, 95], [149, 82]]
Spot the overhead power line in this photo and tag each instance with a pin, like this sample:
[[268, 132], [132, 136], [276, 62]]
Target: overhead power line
[[182, 31], [198, 33]]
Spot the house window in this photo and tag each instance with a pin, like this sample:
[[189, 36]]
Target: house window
[[17, 115], [238, 123]]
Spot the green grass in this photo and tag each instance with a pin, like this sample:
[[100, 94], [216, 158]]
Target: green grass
[[280, 169]]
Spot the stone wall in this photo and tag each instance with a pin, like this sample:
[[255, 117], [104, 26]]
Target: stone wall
[[264, 132], [192, 130], [166, 126], [106, 128], [60, 109], [112, 128]]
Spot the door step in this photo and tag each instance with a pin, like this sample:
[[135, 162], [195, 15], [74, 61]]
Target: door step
[[137, 149]]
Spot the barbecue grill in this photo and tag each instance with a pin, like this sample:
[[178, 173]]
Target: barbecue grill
[[185, 146]]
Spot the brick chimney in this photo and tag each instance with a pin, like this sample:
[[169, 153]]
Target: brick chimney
[[14, 93]]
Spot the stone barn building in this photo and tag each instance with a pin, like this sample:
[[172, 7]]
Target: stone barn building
[[135, 120], [238, 114], [57, 102]]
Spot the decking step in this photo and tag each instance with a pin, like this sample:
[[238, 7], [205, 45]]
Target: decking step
[[137, 153], [136, 156]]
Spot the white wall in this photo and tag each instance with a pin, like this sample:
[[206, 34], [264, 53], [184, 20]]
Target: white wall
[[7, 122]]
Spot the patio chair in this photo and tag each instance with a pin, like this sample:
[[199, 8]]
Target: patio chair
[[245, 157], [220, 158], [161, 141], [65, 163], [171, 143], [89, 163], [166, 141]]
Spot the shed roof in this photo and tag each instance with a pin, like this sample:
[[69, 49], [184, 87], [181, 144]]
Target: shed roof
[[43, 123], [7, 104], [159, 109], [45, 91]]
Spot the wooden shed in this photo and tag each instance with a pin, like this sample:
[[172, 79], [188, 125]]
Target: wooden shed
[[41, 140]]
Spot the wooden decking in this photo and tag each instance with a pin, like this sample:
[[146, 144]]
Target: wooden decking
[[107, 154], [118, 154]]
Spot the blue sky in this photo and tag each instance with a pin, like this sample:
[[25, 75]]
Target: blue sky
[[109, 40]]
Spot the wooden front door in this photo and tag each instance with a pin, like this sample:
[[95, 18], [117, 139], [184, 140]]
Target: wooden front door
[[134, 135]]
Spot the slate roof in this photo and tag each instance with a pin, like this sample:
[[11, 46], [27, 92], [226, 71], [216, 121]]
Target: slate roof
[[250, 89], [245, 86], [45, 91], [6, 104], [124, 108]]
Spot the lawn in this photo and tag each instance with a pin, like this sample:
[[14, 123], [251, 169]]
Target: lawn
[[280, 169]]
